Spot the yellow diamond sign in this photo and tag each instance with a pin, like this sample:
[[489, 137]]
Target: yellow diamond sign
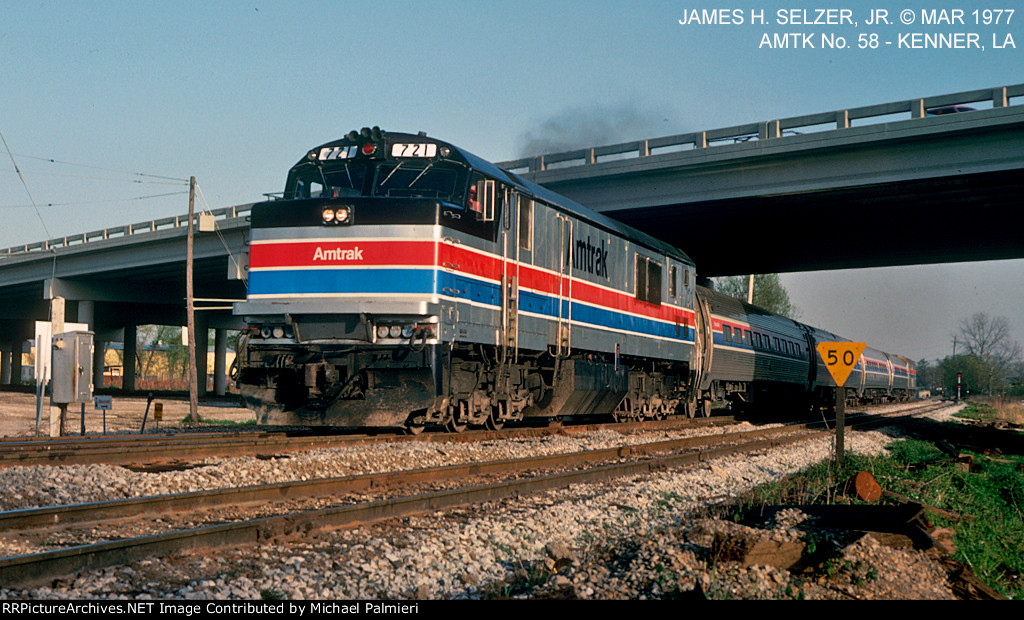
[[840, 358]]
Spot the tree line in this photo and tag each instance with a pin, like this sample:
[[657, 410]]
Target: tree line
[[986, 359]]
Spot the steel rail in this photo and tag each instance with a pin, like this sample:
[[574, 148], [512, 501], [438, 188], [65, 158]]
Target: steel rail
[[27, 570], [165, 448], [259, 494], [33, 569]]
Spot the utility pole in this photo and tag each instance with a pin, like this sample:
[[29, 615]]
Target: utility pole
[[57, 310], [193, 387]]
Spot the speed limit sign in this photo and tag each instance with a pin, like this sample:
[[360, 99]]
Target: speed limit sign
[[840, 358]]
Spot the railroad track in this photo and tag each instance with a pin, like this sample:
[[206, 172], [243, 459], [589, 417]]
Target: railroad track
[[134, 449], [503, 479]]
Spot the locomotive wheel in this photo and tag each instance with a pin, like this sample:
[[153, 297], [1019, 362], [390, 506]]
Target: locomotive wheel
[[691, 409], [454, 427], [496, 421], [705, 406], [415, 424], [457, 423]]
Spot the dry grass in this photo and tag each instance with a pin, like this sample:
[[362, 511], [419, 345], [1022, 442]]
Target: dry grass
[[1011, 410]]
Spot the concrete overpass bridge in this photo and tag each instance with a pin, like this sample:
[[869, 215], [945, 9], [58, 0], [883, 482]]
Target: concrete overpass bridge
[[119, 278], [879, 185]]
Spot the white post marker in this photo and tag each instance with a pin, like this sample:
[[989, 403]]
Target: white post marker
[[103, 403], [840, 358]]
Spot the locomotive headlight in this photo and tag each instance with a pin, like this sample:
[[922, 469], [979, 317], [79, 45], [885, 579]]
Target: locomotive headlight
[[407, 331], [341, 215], [395, 331], [328, 215], [279, 332], [382, 331], [265, 332]]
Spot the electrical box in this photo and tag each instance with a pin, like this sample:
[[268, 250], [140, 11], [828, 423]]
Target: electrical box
[[72, 367]]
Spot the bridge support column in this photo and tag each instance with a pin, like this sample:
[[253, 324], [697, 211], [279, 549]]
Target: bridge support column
[[5, 364], [220, 354], [202, 350], [99, 360], [16, 349], [130, 353]]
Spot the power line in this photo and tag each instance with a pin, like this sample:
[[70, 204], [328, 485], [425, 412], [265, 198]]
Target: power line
[[94, 202], [52, 175], [25, 185], [138, 174]]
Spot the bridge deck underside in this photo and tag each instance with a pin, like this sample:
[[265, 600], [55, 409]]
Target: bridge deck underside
[[950, 219]]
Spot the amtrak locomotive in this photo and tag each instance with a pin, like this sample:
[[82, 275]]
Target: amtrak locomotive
[[401, 281]]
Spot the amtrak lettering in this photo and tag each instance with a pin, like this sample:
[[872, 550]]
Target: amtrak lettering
[[338, 254], [591, 258]]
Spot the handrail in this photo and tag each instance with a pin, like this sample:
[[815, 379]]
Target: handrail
[[130, 230], [841, 119], [768, 130]]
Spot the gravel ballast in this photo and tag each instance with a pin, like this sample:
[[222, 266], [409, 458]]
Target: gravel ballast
[[630, 538]]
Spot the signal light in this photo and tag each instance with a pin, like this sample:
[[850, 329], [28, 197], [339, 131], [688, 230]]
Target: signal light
[[368, 148]]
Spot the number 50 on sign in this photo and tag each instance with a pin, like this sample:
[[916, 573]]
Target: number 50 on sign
[[840, 358]]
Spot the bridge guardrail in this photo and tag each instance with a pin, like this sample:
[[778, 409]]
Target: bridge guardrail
[[999, 97], [130, 230], [840, 119]]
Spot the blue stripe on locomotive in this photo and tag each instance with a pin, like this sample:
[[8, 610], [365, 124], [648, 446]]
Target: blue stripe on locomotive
[[421, 281], [328, 281]]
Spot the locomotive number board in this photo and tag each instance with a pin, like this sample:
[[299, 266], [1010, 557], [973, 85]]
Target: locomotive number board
[[413, 150]]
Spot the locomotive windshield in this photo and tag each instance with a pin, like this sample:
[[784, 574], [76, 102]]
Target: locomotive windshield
[[407, 178]]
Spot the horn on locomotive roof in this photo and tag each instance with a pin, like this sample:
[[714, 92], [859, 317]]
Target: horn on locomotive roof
[[374, 134]]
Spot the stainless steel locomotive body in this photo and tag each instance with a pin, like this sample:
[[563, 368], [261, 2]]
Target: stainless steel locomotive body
[[402, 281]]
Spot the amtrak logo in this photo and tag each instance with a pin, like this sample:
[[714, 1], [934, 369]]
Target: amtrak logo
[[338, 254], [590, 258]]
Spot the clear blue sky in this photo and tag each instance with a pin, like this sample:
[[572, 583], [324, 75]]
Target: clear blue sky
[[235, 92]]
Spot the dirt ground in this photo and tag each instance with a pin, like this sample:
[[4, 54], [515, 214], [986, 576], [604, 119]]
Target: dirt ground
[[18, 414]]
